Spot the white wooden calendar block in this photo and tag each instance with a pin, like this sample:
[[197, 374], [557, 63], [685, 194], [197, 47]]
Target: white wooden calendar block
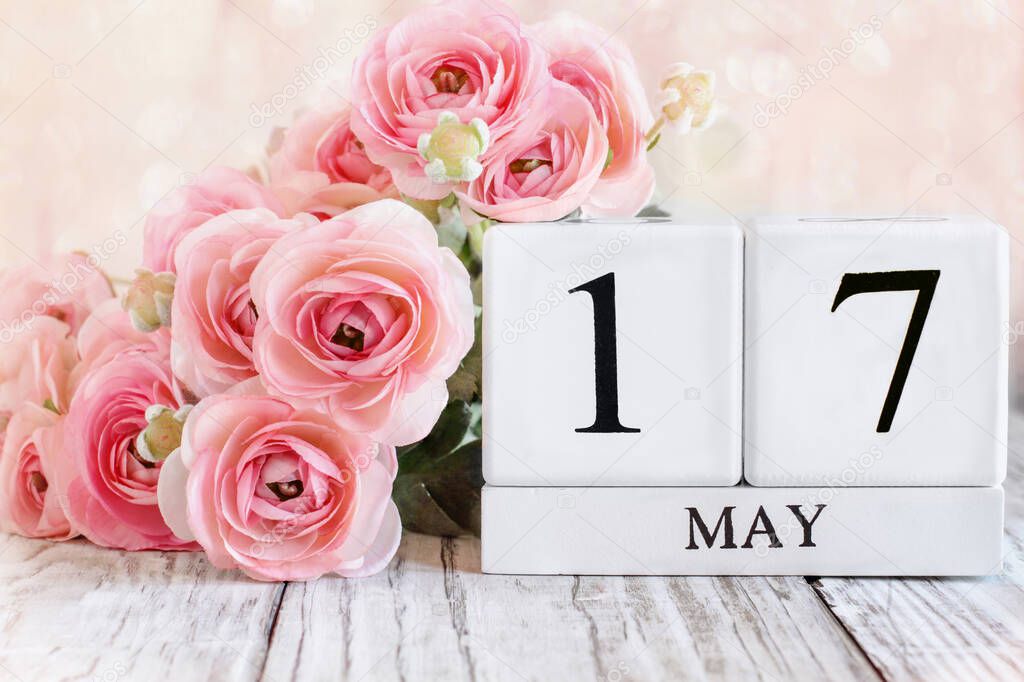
[[612, 354], [875, 352], [742, 530]]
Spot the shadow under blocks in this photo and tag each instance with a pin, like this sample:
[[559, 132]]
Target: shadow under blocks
[[800, 396]]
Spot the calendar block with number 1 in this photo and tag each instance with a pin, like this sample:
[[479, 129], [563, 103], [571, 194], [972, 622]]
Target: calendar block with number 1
[[613, 354]]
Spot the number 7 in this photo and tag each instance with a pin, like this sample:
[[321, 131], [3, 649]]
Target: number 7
[[924, 282]]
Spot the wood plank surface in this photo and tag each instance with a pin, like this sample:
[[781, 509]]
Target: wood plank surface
[[74, 611], [945, 629], [433, 616]]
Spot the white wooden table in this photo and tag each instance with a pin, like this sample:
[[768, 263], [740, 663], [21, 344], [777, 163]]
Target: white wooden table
[[72, 611]]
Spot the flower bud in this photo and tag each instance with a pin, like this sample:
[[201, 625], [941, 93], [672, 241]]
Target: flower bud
[[162, 435], [476, 236], [452, 149], [148, 300], [687, 97]]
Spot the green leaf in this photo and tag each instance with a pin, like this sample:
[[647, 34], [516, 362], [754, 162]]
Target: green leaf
[[447, 434], [476, 427], [419, 511], [476, 285], [652, 211], [437, 490], [441, 494], [654, 142], [462, 385], [465, 383]]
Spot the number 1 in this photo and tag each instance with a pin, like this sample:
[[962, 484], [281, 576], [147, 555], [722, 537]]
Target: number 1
[[606, 373], [923, 281]]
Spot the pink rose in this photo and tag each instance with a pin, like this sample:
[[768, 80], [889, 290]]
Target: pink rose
[[29, 502], [109, 490], [281, 493], [109, 331], [217, 190], [213, 314], [545, 173], [36, 366], [601, 67], [463, 56], [66, 287], [321, 167], [365, 317]]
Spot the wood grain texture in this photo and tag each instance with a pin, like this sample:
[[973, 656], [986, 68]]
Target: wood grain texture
[[74, 611], [945, 629], [434, 616]]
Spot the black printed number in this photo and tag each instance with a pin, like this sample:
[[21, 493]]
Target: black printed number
[[923, 281], [606, 375]]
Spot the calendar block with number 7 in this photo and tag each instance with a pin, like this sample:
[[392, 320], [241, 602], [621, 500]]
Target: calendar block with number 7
[[613, 354], [875, 352]]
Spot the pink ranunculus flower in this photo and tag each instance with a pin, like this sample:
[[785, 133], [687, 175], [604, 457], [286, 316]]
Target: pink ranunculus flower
[[365, 317], [545, 173], [213, 313], [107, 332], [217, 190], [466, 57], [36, 366], [281, 493], [65, 286], [601, 67], [109, 491], [29, 501], [321, 167]]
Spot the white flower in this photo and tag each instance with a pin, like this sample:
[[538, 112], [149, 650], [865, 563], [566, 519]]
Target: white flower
[[148, 300], [162, 435], [452, 149], [687, 97]]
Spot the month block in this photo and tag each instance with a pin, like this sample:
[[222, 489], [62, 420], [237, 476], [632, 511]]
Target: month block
[[875, 352], [612, 354], [742, 530]]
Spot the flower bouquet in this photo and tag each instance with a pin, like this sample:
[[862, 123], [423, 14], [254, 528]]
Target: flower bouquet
[[292, 374]]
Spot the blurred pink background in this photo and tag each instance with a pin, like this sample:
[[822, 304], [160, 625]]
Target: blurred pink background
[[904, 106]]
